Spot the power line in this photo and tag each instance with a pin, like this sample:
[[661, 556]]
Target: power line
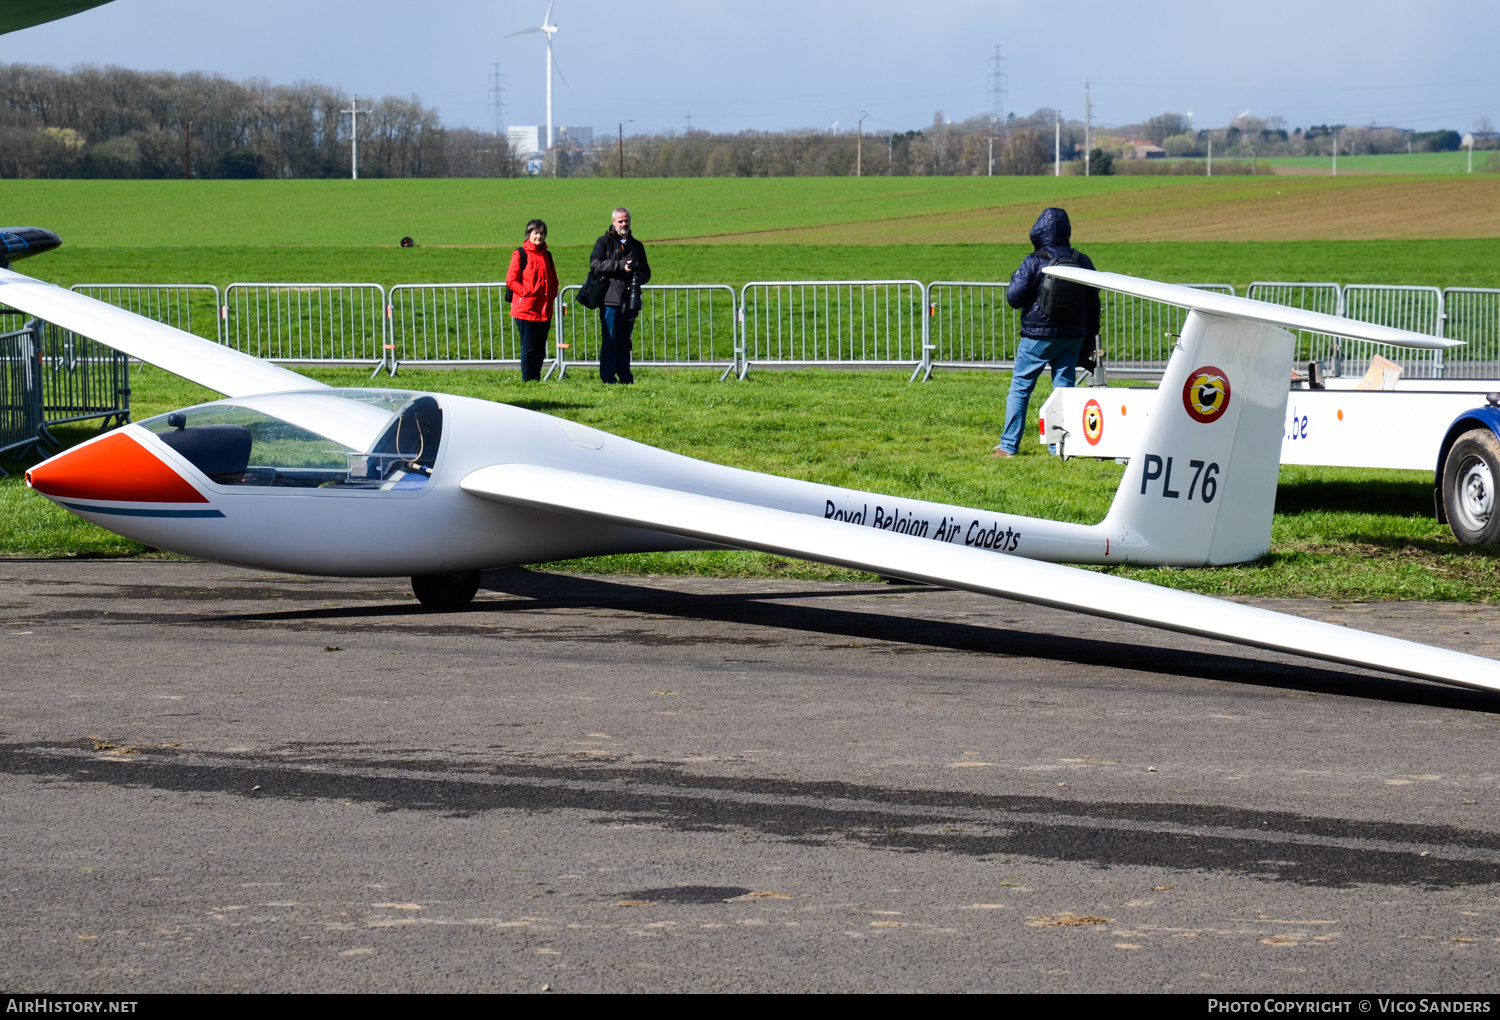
[[997, 88], [497, 98]]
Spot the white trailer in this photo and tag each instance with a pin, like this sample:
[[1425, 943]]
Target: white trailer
[[1338, 426]]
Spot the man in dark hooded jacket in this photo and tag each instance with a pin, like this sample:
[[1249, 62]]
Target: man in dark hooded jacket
[[1046, 341]]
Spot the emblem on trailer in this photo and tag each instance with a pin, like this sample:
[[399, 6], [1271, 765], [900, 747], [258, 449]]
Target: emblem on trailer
[[1093, 422], [1206, 395]]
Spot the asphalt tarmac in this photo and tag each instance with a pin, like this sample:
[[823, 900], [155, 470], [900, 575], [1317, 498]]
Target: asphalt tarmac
[[215, 779]]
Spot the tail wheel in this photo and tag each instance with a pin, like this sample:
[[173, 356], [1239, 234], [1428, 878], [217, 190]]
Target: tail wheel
[[1469, 477], [445, 591]]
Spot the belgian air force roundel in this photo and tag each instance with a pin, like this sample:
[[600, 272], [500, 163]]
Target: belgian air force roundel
[[1093, 422], [1206, 394]]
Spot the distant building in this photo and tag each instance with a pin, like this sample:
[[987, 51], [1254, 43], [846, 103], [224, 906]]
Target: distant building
[[525, 140], [574, 138], [1481, 139], [1146, 150]]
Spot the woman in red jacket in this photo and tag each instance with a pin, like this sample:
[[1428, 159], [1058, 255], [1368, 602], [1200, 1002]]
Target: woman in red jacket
[[532, 281]]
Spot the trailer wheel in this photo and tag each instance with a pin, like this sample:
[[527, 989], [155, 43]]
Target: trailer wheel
[[445, 591], [1469, 477]]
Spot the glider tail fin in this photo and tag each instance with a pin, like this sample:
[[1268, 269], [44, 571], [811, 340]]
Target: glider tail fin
[[1201, 486]]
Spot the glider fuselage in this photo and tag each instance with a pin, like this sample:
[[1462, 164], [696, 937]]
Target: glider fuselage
[[329, 520]]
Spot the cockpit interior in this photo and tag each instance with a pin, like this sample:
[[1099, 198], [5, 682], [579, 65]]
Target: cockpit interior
[[379, 440]]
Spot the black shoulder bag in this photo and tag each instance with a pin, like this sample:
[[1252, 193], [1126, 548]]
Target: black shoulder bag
[[509, 294], [591, 294]]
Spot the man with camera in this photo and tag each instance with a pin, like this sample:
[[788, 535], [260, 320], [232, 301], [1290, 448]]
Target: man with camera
[[621, 259]]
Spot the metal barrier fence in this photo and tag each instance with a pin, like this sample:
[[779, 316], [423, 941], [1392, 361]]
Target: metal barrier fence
[[1327, 298], [1313, 297], [191, 307], [829, 323], [972, 326], [52, 376], [1472, 314], [1419, 309], [1138, 335], [20, 389], [451, 324], [835, 322], [678, 326], [308, 323]]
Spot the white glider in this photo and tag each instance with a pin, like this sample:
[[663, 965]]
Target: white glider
[[287, 475]]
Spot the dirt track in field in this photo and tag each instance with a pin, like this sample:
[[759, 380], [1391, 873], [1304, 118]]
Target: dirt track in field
[[1249, 209]]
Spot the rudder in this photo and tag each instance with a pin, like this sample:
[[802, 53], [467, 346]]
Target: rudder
[[1201, 486]]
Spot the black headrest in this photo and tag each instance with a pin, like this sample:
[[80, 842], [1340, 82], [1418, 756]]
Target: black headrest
[[212, 449]]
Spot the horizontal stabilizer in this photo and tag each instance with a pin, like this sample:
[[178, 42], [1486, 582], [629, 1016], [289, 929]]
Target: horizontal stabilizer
[[744, 525], [201, 361], [1211, 303]]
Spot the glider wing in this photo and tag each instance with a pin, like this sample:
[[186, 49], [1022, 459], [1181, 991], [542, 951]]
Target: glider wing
[[220, 368], [726, 522], [19, 14]]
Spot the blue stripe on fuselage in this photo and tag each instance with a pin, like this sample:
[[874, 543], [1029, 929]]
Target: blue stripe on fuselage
[[121, 511]]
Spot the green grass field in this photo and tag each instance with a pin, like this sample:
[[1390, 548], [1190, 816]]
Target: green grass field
[[279, 216], [1341, 534], [374, 213], [1390, 163], [1177, 229]]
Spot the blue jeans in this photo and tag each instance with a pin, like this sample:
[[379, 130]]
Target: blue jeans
[[614, 347], [1032, 355]]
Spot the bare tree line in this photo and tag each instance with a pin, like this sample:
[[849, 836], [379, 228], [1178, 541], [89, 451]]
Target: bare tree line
[[1041, 143], [1253, 137], [117, 123], [944, 149]]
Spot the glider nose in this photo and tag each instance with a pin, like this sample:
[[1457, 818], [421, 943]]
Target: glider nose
[[116, 467]]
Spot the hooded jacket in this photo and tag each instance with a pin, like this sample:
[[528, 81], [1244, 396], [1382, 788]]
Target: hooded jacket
[[608, 259], [1053, 232], [535, 287]]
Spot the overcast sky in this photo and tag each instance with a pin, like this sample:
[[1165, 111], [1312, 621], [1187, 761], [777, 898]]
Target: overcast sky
[[779, 64]]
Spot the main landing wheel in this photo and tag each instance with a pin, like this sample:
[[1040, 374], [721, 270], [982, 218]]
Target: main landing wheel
[[1469, 477], [445, 591]]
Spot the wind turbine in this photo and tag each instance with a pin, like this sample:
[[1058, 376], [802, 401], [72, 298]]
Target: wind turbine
[[549, 30]]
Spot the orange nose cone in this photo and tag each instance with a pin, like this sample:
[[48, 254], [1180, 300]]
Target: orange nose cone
[[116, 467]]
